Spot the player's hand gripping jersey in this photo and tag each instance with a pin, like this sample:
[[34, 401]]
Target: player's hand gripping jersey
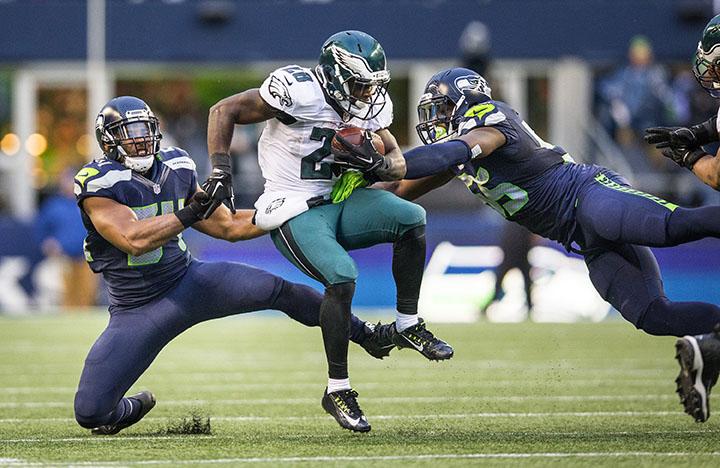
[[527, 180], [135, 280], [294, 148]]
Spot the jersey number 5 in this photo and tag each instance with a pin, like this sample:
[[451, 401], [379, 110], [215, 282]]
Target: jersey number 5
[[311, 166], [505, 198], [148, 211]]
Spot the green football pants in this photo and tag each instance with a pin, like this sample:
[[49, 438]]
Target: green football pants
[[317, 241]]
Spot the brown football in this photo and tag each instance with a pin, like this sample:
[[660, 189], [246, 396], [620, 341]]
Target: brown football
[[354, 136]]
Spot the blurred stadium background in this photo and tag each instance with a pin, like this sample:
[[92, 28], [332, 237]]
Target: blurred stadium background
[[586, 75]]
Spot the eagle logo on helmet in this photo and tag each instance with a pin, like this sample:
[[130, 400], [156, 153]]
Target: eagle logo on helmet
[[351, 62]]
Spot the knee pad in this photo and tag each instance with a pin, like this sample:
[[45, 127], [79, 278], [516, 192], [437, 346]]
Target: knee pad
[[90, 412], [340, 273], [409, 216]]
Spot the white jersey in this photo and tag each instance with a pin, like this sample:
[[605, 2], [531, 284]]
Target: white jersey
[[294, 148]]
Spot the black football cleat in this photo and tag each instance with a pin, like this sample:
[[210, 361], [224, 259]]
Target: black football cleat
[[378, 339], [343, 406], [699, 359], [423, 341], [147, 402]]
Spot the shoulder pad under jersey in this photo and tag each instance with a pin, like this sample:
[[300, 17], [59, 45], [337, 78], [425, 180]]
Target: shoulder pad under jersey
[[99, 177], [293, 90], [176, 158], [479, 114]]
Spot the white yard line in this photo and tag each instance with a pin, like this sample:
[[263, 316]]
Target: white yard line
[[365, 385], [432, 456], [399, 399], [575, 414]]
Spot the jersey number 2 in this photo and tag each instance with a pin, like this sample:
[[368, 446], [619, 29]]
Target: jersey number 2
[[311, 166]]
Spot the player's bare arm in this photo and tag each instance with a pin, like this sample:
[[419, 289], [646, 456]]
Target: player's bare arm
[[707, 169], [395, 162], [412, 189], [119, 225], [223, 224], [242, 108], [239, 109]]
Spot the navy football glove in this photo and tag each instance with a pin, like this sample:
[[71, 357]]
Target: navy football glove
[[363, 157], [219, 184]]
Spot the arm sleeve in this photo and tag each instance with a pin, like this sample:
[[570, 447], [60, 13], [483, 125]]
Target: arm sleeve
[[433, 159]]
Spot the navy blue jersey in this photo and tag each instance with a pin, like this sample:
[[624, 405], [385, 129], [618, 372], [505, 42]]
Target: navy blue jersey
[[527, 180], [135, 280]]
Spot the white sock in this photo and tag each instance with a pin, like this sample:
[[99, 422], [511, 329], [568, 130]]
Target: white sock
[[403, 321], [338, 384]]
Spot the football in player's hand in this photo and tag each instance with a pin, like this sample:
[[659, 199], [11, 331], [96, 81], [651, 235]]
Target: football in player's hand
[[354, 136]]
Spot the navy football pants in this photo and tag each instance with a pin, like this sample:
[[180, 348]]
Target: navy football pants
[[616, 225], [134, 337]]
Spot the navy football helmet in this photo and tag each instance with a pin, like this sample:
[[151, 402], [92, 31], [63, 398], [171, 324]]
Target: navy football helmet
[[128, 132], [353, 71], [444, 93]]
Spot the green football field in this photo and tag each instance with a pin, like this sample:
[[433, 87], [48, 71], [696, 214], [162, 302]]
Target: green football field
[[535, 394]]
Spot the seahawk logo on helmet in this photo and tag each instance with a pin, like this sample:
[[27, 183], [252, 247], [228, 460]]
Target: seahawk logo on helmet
[[128, 132], [706, 65], [352, 71], [473, 82], [445, 92]]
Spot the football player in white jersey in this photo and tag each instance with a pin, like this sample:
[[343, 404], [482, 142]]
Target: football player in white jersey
[[698, 356], [303, 108]]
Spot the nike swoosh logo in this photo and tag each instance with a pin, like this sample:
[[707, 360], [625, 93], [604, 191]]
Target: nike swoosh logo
[[353, 421], [418, 347], [287, 81]]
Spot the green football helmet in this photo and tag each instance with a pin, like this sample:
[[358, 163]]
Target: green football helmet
[[707, 58], [353, 71]]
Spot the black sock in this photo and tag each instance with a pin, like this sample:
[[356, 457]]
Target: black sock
[[302, 303], [335, 325], [407, 267]]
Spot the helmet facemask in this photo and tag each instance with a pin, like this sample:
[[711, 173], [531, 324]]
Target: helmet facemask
[[435, 116], [706, 67], [133, 141]]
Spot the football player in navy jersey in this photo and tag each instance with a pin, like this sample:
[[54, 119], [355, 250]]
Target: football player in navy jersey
[[135, 203], [589, 209]]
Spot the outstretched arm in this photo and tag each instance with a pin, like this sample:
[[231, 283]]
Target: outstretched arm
[[412, 189], [233, 227], [428, 160]]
